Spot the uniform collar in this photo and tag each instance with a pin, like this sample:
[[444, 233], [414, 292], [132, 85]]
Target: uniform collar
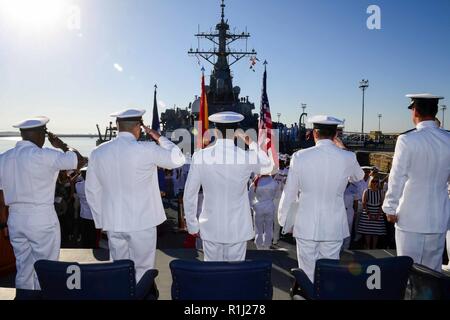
[[126, 135], [24, 143], [426, 124], [226, 142], [324, 142]]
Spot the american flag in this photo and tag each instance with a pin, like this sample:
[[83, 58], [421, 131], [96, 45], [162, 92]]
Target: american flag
[[265, 133]]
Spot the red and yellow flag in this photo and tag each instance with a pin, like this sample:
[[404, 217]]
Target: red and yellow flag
[[203, 122]]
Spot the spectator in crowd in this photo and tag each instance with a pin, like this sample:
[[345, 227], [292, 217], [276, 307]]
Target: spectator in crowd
[[351, 198], [371, 222], [262, 193], [88, 230]]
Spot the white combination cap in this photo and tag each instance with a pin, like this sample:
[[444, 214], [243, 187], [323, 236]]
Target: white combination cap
[[423, 96], [128, 114], [35, 122], [325, 120], [226, 117], [423, 99]]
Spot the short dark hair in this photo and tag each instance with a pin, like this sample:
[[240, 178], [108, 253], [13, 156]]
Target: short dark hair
[[426, 108], [223, 127], [127, 125], [326, 132]]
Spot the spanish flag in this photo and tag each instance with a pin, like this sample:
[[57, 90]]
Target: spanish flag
[[203, 122]]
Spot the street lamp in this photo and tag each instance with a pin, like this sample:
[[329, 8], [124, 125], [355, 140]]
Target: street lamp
[[379, 121], [303, 107], [278, 115], [363, 85], [443, 108]]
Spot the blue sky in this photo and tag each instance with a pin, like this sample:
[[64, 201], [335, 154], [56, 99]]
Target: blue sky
[[318, 51]]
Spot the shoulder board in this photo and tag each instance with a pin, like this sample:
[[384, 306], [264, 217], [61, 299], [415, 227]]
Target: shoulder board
[[408, 131]]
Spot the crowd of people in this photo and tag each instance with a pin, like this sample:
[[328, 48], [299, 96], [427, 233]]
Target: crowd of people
[[226, 195]]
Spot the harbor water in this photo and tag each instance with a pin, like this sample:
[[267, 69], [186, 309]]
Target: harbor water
[[83, 145]]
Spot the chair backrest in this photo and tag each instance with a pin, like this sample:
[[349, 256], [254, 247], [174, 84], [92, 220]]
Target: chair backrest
[[97, 281], [428, 284], [198, 280], [372, 279]]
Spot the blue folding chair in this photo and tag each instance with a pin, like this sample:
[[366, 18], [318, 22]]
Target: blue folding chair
[[372, 279], [198, 280], [96, 281], [428, 284]]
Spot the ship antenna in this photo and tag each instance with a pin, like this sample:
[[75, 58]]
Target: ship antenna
[[223, 9]]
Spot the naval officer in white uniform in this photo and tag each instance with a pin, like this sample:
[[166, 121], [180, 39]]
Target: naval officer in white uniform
[[28, 174], [417, 198], [321, 175], [223, 170], [123, 192]]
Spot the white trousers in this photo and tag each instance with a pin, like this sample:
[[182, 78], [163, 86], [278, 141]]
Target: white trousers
[[276, 225], [350, 216], [425, 249], [309, 251], [33, 236], [214, 251], [138, 246], [263, 227], [448, 247]]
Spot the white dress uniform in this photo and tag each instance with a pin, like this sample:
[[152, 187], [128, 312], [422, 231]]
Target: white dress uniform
[[262, 195], [123, 193], [280, 178], [85, 211], [417, 193], [351, 195], [28, 178], [321, 174], [222, 170]]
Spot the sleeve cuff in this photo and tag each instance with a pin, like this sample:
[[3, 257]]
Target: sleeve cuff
[[253, 146]]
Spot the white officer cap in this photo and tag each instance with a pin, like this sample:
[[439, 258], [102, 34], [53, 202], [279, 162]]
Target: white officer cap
[[129, 114], [35, 122], [84, 169], [226, 117], [323, 120], [283, 157], [423, 98], [367, 168]]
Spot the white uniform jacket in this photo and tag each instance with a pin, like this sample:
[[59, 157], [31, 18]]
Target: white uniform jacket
[[417, 191], [262, 199], [223, 171], [122, 182], [28, 176], [321, 175]]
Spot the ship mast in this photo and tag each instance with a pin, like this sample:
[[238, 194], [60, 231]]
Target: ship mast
[[222, 57]]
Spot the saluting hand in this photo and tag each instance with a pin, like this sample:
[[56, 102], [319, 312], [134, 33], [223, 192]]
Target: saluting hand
[[56, 142], [152, 133], [338, 142], [241, 135]]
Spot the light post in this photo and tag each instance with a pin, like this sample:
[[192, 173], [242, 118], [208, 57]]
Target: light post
[[379, 121], [278, 115], [363, 85], [443, 108]]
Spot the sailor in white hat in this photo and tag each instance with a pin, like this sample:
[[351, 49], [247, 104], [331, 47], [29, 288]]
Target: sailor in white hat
[[280, 177], [417, 199], [28, 174], [123, 192], [222, 170], [320, 175], [88, 231]]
